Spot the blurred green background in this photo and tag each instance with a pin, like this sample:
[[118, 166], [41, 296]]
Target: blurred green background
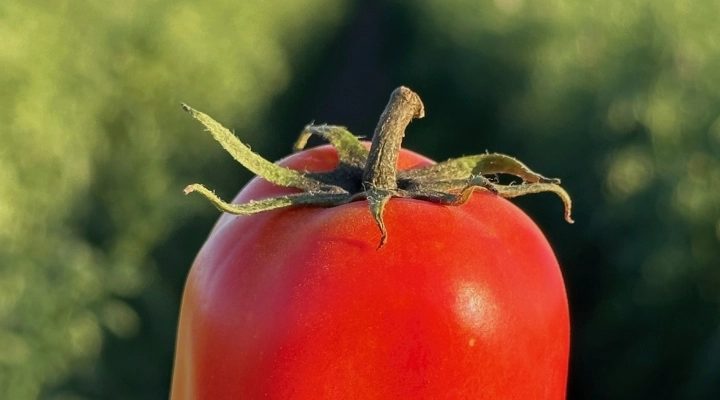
[[621, 99]]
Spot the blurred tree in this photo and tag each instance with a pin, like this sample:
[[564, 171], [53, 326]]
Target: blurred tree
[[619, 98], [95, 152]]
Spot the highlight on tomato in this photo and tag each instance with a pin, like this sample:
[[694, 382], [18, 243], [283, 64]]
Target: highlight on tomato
[[367, 271]]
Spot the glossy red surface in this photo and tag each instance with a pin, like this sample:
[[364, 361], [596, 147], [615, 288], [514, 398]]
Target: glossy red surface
[[463, 302]]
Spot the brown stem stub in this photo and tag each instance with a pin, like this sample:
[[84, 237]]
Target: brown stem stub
[[381, 166]]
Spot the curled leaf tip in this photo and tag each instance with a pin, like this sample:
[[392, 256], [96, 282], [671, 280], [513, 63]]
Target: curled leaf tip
[[189, 189], [383, 240]]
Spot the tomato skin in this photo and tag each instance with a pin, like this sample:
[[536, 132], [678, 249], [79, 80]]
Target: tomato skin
[[462, 302]]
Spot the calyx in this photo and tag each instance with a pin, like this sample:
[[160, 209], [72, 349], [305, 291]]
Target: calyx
[[372, 174]]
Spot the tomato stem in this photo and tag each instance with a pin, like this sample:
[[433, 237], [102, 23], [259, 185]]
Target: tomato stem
[[381, 167], [373, 175]]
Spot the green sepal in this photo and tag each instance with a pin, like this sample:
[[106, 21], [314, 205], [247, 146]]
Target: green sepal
[[349, 148], [510, 191], [481, 164], [272, 203], [259, 166], [377, 199], [369, 174]]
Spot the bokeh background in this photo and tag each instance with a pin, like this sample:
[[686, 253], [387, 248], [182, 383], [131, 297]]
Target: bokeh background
[[619, 98]]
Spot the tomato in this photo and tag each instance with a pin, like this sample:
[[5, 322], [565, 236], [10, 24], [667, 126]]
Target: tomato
[[463, 302], [463, 299]]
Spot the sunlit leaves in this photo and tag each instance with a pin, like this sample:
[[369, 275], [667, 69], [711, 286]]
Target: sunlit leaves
[[91, 140]]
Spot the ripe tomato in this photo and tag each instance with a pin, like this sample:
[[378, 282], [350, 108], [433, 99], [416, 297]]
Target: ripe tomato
[[462, 302]]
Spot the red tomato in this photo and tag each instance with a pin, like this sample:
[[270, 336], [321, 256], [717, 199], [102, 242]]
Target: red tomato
[[463, 302]]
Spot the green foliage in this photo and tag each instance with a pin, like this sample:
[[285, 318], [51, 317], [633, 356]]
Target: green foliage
[[94, 147]]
